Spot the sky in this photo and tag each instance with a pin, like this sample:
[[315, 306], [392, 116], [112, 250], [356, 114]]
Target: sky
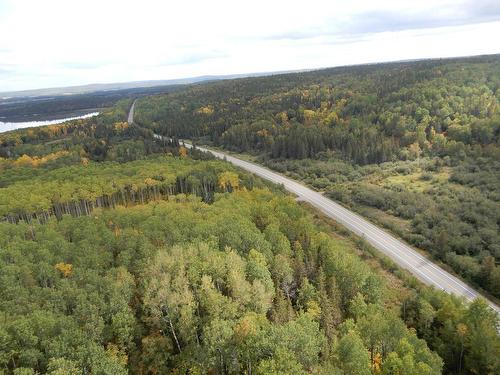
[[54, 43]]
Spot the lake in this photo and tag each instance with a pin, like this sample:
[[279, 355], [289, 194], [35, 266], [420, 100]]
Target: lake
[[7, 126]]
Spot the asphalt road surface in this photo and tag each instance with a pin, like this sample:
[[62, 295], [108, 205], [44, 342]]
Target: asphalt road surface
[[131, 113], [401, 253]]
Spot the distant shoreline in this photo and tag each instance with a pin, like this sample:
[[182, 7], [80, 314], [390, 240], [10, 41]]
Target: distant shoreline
[[9, 126], [56, 115]]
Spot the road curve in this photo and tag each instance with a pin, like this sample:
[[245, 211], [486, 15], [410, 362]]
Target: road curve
[[401, 253], [130, 119]]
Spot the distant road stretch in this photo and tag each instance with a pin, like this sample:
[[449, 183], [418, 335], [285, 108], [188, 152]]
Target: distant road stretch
[[131, 113], [401, 253]]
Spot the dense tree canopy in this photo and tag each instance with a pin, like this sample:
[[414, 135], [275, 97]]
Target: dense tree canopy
[[413, 145], [367, 114], [244, 284], [124, 253]]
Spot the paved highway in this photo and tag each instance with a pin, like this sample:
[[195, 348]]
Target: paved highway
[[131, 113], [397, 250], [401, 253]]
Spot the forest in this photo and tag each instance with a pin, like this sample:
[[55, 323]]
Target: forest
[[181, 286], [38, 108], [412, 145], [244, 284], [124, 254]]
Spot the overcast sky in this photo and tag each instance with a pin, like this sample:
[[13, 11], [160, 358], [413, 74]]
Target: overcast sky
[[51, 43]]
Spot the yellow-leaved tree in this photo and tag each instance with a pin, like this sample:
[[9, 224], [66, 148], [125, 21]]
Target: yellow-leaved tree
[[64, 268], [183, 151], [228, 181]]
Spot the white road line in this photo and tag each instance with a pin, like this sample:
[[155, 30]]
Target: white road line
[[400, 252]]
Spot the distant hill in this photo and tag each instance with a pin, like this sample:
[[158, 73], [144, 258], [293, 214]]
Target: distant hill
[[96, 87], [90, 88], [58, 102], [49, 107]]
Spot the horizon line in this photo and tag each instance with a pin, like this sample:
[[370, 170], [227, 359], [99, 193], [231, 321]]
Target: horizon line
[[200, 78]]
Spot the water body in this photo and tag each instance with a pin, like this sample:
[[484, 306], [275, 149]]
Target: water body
[[8, 126]]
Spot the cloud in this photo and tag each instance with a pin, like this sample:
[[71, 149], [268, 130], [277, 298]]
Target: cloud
[[353, 26], [7, 69], [482, 10], [193, 57], [5, 72], [60, 43], [389, 21], [84, 65]]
